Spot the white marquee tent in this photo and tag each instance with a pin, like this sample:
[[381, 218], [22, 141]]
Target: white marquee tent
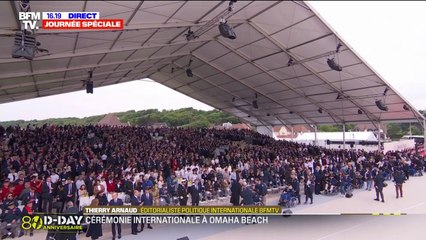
[[278, 59]]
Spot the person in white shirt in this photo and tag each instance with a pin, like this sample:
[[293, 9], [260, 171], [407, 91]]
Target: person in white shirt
[[54, 177], [13, 176], [80, 181]]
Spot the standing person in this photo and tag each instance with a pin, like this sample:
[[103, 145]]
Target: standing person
[[28, 210], [182, 193], [115, 201], [47, 195], [379, 183], [399, 180], [247, 195], [261, 190], [309, 188], [70, 210], [95, 229], [135, 201], [195, 191], [235, 192], [70, 190], [368, 178], [147, 200], [295, 184]]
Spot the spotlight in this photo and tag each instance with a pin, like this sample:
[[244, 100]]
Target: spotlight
[[360, 111], [233, 99], [291, 112], [381, 106], [333, 65], [340, 96], [406, 108], [189, 73], [290, 62], [227, 31], [254, 103], [320, 110], [173, 70], [248, 116], [268, 114]]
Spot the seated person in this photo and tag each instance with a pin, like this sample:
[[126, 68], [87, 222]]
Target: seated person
[[10, 220]]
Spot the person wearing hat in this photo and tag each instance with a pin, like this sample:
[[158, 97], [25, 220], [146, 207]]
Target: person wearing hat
[[182, 192], [28, 210], [10, 217]]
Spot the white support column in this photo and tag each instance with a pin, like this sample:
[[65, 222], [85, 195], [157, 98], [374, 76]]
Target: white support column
[[424, 137], [379, 138], [344, 137], [316, 137]]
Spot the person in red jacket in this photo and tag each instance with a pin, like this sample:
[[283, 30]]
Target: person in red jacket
[[110, 185], [19, 187], [5, 189]]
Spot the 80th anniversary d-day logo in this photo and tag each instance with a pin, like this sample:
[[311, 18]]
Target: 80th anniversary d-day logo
[[54, 222]]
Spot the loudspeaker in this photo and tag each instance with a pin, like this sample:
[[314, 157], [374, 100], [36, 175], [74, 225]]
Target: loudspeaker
[[189, 72], [381, 106], [333, 65], [89, 87], [183, 238], [254, 103], [24, 46], [227, 31], [348, 195]]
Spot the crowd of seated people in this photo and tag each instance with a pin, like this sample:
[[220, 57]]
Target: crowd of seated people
[[50, 166]]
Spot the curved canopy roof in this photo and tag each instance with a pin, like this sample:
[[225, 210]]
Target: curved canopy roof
[[227, 74]]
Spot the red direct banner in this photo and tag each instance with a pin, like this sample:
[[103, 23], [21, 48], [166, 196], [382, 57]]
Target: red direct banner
[[81, 24]]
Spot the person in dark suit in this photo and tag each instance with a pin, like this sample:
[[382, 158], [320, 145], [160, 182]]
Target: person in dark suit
[[399, 180], [147, 200], [89, 183], [235, 192], [115, 201], [47, 195], [295, 184], [135, 200], [379, 183], [309, 188], [70, 190], [182, 193], [95, 229], [70, 235], [247, 195], [195, 191], [32, 195]]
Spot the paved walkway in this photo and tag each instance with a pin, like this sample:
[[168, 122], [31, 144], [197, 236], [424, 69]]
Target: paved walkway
[[314, 227]]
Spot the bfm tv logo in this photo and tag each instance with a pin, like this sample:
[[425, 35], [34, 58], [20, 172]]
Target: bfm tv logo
[[58, 222]]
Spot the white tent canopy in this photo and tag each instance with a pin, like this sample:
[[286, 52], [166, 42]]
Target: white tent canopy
[[337, 136], [228, 74]]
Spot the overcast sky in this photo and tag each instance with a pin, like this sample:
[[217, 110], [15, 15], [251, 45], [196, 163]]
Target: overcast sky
[[390, 36]]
